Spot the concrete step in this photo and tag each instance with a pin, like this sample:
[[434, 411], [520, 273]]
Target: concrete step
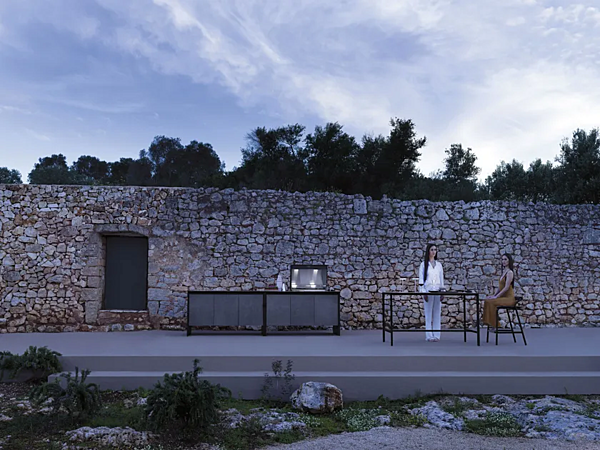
[[368, 385], [493, 363]]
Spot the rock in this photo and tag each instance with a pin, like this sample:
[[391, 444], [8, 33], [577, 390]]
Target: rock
[[270, 420], [360, 206], [317, 398], [110, 437], [383, 420], [438, 417], [500, 399]]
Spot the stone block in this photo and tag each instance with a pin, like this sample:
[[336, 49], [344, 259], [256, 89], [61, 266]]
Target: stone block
[[158, 294]]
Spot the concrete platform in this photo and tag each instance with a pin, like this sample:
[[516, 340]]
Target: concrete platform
[[556, 361]]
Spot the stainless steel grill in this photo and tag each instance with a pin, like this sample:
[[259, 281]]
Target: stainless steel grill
[[308, 278]]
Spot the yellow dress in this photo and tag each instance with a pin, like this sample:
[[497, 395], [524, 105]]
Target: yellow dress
[[489, 306]]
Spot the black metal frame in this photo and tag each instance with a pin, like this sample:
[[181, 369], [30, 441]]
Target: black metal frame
[[512, 331], [263, 331], [464, 294]]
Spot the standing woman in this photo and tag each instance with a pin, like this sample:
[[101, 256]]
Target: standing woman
[[431, 278], [504, 296]]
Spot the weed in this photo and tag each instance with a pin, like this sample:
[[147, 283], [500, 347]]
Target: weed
[[279, 386], [500, 424], [358, 419], [457, 408], [78, 398], [182, 400], [484, 399], [404, 418], [41, 362], [116, 415], [248, 435]]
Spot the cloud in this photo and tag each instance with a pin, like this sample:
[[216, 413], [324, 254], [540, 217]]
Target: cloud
[[508, 79], [14, 109], [38, 136]]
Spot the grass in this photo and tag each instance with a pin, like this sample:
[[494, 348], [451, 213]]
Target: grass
[[46, 431], [457, 407], [495, 424]]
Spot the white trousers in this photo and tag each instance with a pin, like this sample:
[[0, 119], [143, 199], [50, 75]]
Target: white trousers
[[433, 316]]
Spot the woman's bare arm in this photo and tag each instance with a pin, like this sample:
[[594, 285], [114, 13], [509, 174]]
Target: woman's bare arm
[[507, 283]]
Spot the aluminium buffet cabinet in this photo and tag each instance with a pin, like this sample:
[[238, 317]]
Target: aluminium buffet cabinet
[[263, 308]]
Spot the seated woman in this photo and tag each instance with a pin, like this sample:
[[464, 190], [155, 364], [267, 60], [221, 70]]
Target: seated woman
[[505, 296]]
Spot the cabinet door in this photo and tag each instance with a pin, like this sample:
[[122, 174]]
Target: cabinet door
[[326, 309], [251, 309], [202, 310], [278, 309], [226, 309], [302, 309]]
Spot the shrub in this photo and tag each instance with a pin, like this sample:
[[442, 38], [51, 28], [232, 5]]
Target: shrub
[[79, 398], [40, 361], [182, 400]]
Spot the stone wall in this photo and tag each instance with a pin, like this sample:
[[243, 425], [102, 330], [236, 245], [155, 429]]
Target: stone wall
[[52, 242]]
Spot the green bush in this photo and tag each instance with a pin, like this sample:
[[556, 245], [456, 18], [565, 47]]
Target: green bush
[[79, 398], [40, 361], [182, 400]]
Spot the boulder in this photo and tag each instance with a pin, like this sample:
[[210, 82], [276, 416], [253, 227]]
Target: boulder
[[317, 398]]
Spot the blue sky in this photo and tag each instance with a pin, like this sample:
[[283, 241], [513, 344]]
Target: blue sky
[[507, 78]]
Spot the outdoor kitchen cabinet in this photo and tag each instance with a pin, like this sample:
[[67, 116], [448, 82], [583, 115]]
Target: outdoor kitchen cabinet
[[225, 309], [303, 309], [263, 308]]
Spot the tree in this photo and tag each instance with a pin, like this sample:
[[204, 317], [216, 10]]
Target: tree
[[92, 168], [330, 156], [161, 153], [460, 164], [10, 176], [578, 172], [387, 164], [196, 165], [272, 160], [541, 181], [508, 182], [460, 175], [118, 171], [51, 170], [140, 171]]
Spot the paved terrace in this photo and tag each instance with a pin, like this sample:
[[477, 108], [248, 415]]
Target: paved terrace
[[557, 360]]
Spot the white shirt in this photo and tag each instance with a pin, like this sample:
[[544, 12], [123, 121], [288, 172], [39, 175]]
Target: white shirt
[[435, 277]]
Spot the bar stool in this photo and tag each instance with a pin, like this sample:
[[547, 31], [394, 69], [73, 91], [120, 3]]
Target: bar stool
[[515, 308]]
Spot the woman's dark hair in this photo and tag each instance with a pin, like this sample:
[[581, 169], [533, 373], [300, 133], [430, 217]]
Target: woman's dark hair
[[511, 264], [426, 260]]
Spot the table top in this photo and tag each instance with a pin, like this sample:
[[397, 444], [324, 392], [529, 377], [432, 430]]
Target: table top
[[434, 293]]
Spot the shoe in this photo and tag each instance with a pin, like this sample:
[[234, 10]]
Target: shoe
[[436, 339]]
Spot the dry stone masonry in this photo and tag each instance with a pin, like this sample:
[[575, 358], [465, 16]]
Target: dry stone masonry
[[52, 252]]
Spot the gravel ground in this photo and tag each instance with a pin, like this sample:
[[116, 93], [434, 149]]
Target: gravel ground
[[430, 439]]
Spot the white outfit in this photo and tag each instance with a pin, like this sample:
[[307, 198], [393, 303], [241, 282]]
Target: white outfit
[[432, 307]]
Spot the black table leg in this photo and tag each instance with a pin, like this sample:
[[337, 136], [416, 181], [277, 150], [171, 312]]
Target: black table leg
[[263, 329], [383, 316], [391, 321], [477, 301], [465, 316]]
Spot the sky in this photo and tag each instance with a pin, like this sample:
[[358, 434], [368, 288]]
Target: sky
[[509, 79]]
